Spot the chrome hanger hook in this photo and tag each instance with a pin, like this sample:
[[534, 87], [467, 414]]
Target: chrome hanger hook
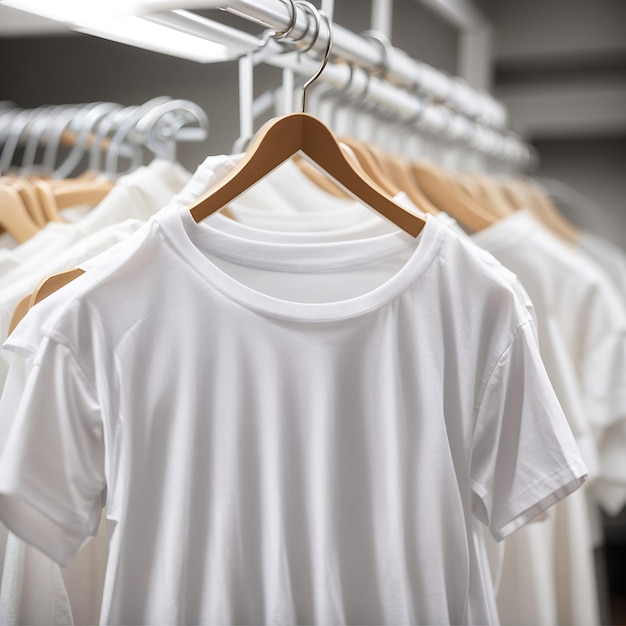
[[386, 51], [276, 34], [329, 46], [312, 11], [293, 19]]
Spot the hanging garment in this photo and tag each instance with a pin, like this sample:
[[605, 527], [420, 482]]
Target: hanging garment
[[339, 441], [582, 344], [26, 588], [581, 316]]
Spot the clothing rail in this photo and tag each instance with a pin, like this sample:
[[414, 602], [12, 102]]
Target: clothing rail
[[399, 68], [440, 118], [445, 106], [436, 120]]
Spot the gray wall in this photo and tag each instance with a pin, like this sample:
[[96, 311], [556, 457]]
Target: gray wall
[[560, 67], [597, 168]]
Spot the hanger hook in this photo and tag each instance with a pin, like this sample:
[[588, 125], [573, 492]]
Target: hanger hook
[[386, 50], [329, 45], [293, 19], [270, 33], [310, 10]]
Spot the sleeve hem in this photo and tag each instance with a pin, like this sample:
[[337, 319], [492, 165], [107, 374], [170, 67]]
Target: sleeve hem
[[32, 525], [577, 473]]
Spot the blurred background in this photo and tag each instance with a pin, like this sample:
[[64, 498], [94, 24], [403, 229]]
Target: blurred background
[[559, 66]]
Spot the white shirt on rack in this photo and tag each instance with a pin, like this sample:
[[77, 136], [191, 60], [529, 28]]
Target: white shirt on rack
[[580, 330], [582, 320], [29, 579], [338, 407]]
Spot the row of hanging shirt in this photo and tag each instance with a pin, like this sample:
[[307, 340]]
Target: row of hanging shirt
[[296, 413]]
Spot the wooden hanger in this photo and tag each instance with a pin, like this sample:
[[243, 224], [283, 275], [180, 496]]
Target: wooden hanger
[[486, 192], [396, 170], [370, 166], [54, 198], [280, 140], [19, 312], [550, 215], [470, 186], [14, 217], [441, 190], [517, 196], [30, 198], [406, 181], [497, 194], [45, 288]]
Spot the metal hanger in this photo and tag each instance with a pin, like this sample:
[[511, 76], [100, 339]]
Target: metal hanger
[[36, 131], [168, 123], [81, 130], [122, 135], [18, 127], [100, 144]]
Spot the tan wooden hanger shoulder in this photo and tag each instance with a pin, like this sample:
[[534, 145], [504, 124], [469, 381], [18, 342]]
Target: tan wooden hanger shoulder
[[549, 214], [31, 201], [321, 180], [406, 181], [14, 217], [516, 194], [490, 196], [19, 312], [442, 191], [45, 288], [55, 198], [368, 162], [279, 140]]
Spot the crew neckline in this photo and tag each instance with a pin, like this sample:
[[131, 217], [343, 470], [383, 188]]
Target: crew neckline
[[190, 238], [365, 229]]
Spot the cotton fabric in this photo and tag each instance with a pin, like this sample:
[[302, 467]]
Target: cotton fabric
[[580, 324], [317, 417]]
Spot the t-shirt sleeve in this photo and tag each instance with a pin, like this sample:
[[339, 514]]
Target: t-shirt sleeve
[[52, 464], [524, 457]]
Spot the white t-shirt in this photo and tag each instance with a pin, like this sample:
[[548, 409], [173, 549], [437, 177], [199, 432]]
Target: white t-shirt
[[33, 590], [538, 584], [582, 333], [284, 433]]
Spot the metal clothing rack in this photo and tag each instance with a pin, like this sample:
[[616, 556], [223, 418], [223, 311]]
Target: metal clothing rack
[[442, 105]]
